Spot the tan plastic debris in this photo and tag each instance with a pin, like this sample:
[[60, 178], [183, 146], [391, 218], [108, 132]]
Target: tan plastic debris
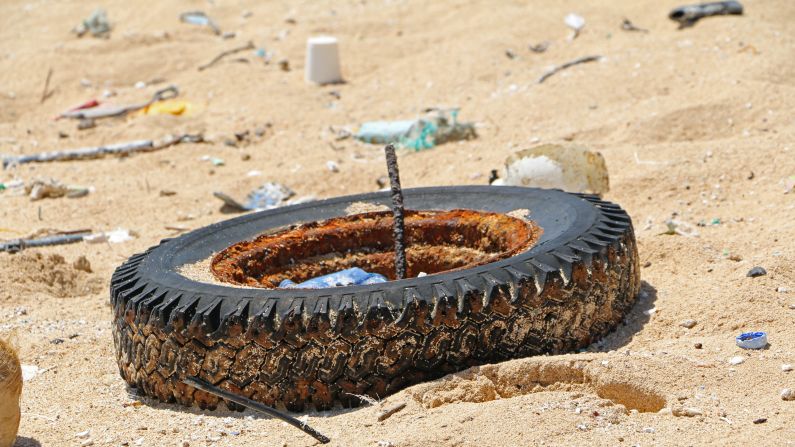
[[570, 168]]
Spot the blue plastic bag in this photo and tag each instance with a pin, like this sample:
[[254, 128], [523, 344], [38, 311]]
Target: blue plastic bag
[[348, 277]]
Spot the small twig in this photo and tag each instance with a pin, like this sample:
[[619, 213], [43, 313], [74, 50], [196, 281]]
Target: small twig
[[46, 93], [558, 68], [397, 212], [223, 54], [389, 411], [240, 400]]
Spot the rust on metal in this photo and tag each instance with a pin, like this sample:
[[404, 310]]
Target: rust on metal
[[437, 241]]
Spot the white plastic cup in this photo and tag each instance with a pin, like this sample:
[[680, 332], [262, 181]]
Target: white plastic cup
[[322, 60]]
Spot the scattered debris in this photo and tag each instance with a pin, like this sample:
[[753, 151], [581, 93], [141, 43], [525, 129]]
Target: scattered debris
[[437, 127], [760, 420], [690, 14], [698, 345], [736, 360], [86, 123], [214, 160], [787, 394], [571, 168], [679, 228], [167, 193], [786, 367], [86, 153], [539, 47], [687, 411], [284, 65], [789, 184], [332, 166], [387, 412], [751, 340], [46, 92], [579, 60], [199, 18], [322, 61], [689, 324], [53, 189], [268, 196], [17, 245], [240, 400], [175, 107], [97, 24], [756, 271], [626, 25], [29, 372], [107, 111], [347, 277], [86, 105], [575, 22], [223, 54], [116, 236], [510, 54]]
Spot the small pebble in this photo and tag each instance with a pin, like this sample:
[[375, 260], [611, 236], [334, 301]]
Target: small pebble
[[756, 271], [788, 394], [87, 442], [782, 289], [140, 84], [82, 264], [689, 324], [687, 411], [737, 360], [83, 434], [760, 421], [332, 166], [649, 430], [786, 367]]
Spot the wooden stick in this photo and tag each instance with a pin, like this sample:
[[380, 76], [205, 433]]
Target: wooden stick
[[397, 212], [208, 388], [44, 93], [580, 60], [223, 54]]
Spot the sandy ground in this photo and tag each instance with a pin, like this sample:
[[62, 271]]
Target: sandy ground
[[695, 124]]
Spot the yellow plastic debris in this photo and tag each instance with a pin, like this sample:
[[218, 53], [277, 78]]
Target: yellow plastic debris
[[169, 107]]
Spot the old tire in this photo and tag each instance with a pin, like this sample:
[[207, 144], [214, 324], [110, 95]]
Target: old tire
[[321, 347]]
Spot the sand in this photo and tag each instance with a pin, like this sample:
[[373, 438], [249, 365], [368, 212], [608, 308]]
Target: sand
[[694, 124]]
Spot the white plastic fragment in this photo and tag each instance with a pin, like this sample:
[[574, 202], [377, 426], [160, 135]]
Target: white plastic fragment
[[570, 168], [786, 367], [322, 60], [83, 434], [736, 360], [30, 371], [575, 22], [788, 394]]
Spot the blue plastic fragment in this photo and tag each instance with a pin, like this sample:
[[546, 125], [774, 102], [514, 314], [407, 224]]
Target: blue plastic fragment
[[348, 277], [752, 340]]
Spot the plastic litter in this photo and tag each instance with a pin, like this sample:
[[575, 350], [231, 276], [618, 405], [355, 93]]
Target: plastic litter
[[347, 277], [690, 14], [199, 18], [268, 196], [53, 189], [439, 126], [751, 340], [106, 111], [575, 22], [322, 60], [169, 107], [97, 24], [570, 168]]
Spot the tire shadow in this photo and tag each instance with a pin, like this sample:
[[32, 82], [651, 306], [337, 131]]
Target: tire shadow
[[632, 323], [24, 441]]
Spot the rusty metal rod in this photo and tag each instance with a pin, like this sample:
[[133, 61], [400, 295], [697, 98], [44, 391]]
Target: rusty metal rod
[[209, 388], [397, 212]]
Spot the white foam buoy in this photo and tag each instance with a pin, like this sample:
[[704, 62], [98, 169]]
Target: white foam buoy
[[322, 60]]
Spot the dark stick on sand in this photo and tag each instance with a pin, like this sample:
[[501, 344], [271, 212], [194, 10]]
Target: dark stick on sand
[[208, 388], [397, 212]]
